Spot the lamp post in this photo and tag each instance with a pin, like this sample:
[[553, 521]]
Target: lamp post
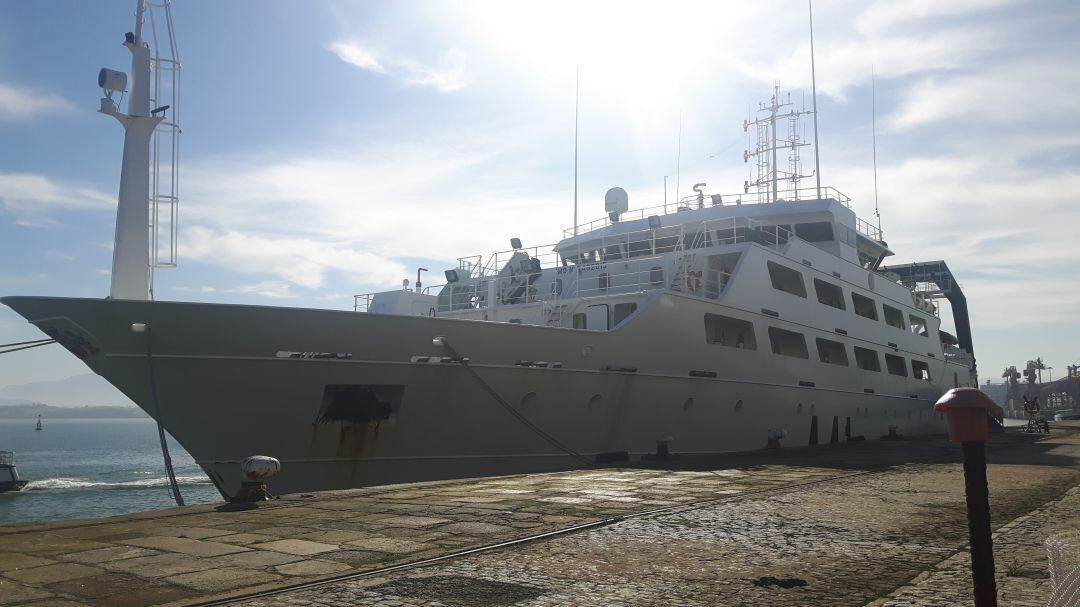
[[966, 409]]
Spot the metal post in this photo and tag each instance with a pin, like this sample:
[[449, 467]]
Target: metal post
[[835, 436], [813, 86], [968, 412], [577, 88], [813, 430], [978, 511]]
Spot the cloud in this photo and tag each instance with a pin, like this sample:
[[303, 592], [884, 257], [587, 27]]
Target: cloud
[[304, 262], [447, 76], [883, 16], [267, 288], [844, 64], [1012, 87], [20, 103], [30, 193]]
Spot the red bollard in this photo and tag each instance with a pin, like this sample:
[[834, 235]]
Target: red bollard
[[967, 409]]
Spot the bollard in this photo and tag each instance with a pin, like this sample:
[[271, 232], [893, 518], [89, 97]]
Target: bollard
[[256, 469], [813, 430], [966, 410], [835, 436]]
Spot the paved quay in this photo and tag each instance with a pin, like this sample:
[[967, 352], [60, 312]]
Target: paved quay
[[876, 523]]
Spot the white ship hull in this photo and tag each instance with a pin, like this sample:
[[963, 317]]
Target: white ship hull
[[227, 388]]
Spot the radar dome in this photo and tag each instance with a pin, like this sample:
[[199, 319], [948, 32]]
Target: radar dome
[[616, 203]]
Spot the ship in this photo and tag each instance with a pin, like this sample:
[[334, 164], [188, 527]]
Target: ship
[[9, 475], [719, 323]]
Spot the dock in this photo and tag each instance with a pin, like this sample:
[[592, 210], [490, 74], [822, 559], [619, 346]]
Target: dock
[[868, 523]]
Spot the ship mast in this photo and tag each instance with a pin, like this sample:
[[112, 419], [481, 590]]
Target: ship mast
[[143, 187], [767, 173]]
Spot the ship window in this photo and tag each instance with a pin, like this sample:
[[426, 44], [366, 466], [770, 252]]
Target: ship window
[[818, 231], [622, 310], [920, 370], [829, 294], [776, 235], [894, 317], [666, 244], [918, 325], [579, 321], [604, 281], [864, 306], [895, 365], [730, 332], [597, 317], [832, 352], [639, 248], [788, 343], [656, 276], [867, 359], [787, 280], [612, 252]]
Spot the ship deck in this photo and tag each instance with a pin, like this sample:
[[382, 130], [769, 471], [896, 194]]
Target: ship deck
[[875, 522]]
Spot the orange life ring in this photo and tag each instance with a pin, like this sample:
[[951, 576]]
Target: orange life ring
[[1031, 407]]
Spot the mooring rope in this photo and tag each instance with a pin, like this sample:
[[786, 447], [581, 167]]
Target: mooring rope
[[510, 409], [33, 344], [174, 487]]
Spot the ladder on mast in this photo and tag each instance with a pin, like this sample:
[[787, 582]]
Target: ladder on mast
[[165, 143]]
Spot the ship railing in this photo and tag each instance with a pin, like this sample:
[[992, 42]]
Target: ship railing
[[362, 302], [867, 229], [959, 356], [703, 200]]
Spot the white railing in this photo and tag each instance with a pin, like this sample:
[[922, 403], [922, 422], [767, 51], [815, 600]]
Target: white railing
[[512, 284], [695, 201]]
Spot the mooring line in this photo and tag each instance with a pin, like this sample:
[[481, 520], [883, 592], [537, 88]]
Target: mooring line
[[37, 343]]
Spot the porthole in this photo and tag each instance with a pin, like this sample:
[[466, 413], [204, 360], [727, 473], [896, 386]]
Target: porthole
[[813, 410], [798, 410], [594, 400], [687, 404], [528, 399], [738, 405]]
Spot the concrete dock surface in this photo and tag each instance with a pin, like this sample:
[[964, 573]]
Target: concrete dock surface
[[866, 523]]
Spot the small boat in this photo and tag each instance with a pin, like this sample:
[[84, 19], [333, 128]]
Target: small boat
[[38, 428], [9, 476]]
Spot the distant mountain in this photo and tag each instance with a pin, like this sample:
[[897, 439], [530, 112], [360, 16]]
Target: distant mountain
[[32, 410], [75, 391]]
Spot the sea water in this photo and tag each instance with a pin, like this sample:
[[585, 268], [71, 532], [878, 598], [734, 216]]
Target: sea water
[[84, 468]]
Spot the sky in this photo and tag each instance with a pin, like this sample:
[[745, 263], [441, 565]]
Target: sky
[[330, 148]]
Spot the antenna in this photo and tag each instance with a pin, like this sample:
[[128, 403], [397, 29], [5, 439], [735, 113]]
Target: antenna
[[769, 142], [678, 160], [577, 88], [873, 129], [665, 194], [813, 86]]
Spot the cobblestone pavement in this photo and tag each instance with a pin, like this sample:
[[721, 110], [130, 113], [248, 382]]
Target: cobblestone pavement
[[851, 540], [1020, 557]]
